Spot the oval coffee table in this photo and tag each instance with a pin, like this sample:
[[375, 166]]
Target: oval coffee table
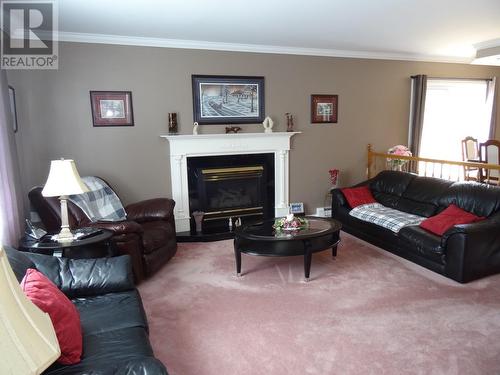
[[261, 239]]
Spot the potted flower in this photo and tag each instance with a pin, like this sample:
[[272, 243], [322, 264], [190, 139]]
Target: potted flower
[[398, 150]]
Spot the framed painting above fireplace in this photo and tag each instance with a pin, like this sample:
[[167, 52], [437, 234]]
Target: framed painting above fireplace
[[228, 99]]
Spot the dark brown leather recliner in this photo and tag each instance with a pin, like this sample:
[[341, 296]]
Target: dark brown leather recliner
[[148, 234]]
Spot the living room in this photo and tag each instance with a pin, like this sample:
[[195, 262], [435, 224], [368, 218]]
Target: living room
[[202, 317]]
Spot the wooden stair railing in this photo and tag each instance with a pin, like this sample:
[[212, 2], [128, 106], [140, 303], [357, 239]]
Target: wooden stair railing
[[445, 169]]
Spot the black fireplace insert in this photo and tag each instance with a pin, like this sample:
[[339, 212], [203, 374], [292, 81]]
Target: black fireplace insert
[[231, 187]]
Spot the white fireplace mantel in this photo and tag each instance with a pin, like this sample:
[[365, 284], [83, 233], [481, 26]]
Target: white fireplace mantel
[[185, 146]]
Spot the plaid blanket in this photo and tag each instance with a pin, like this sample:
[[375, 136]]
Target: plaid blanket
[[386, 217], [100, 203]]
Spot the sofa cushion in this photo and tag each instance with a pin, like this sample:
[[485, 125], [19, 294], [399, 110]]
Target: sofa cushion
[[19, 262], [385, 217], [63, 314], [388, 186], [423, 242], [123, 351], [358, 195], [422, 196], [110, 312], [448, 218], [479, 199]]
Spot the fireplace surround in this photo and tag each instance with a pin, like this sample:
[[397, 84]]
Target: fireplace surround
[[184, 147]]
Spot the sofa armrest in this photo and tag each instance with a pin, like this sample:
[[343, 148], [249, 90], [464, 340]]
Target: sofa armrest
[[150, 210], [473, 250], [86, 277], [118, 227]]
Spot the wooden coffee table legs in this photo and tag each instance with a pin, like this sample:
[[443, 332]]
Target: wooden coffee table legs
[[237, 255]]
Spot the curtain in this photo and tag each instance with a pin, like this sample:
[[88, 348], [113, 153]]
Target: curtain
[[11, 203], [417, 107], [491, 100]]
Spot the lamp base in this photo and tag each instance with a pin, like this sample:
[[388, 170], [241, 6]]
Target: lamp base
[[64, 235]]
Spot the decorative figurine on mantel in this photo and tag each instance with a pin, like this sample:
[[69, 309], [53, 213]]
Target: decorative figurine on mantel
[[289, 122], [195, 128], [268, 125], [232, 129]]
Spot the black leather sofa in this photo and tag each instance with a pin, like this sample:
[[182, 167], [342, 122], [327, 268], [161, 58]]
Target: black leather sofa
[[464, 253], [114, 325]]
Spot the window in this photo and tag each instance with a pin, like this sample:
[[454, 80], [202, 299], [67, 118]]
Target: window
[[454, 109]]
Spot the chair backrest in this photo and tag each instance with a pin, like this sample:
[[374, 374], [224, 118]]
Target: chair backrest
[[470, 149], [490, 153]]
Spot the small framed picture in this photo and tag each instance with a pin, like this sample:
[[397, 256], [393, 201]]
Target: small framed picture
[[297, 208], [324, 109], [111, 108]]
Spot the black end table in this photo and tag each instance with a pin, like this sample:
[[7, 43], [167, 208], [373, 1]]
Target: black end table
[[96, 246], [261, 239]]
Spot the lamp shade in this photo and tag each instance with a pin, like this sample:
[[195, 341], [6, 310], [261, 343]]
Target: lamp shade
[[63, 179], [28, 342]]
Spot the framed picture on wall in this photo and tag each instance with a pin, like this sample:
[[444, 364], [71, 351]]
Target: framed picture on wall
[[324, 109], [228, 99], [112, 108]]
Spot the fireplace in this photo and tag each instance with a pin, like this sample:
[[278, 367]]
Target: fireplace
[[231, 187], [184, 147]]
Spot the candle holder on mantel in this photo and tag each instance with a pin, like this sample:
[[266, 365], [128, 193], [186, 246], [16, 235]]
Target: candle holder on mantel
[[172, 123]]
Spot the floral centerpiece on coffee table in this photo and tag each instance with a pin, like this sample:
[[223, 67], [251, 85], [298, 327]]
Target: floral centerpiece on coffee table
[[290, 223], [398, 150]]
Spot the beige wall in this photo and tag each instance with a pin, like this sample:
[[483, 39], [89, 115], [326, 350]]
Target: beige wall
[[55, 117]]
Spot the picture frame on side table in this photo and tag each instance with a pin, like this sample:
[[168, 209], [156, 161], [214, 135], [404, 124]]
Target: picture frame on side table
[[297, 208], [111, 108], [13, 108], [228, 99], [324, 109]]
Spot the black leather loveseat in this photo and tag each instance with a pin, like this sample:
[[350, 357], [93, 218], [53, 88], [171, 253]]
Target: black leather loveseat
[[114, 325], [463, 253]]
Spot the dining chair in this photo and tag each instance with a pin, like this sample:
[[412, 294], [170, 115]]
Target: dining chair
[[489, 152], [470, 153]]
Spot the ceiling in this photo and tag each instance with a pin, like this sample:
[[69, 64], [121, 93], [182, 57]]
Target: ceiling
[[428, 30]]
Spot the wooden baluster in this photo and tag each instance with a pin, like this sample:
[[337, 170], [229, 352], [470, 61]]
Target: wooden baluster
[[441, 170], [369, 161]]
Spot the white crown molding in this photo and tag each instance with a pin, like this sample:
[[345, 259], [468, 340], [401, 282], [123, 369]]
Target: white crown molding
[[253, 48]]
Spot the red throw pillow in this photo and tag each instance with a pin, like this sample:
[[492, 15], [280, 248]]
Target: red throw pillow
[[358, 196], [63, 314], [448, 218]]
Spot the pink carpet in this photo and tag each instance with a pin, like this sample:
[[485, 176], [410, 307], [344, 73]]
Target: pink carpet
[[366, 312]]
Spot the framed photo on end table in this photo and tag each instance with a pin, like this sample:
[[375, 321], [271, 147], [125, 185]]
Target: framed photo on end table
[[324, 109], [112, 108], [228, 99]]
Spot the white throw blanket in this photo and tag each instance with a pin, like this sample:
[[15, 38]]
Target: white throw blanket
[[386, 217]]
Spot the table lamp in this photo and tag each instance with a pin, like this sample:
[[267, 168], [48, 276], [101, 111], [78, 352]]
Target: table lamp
[[63, 180], [28, 342]]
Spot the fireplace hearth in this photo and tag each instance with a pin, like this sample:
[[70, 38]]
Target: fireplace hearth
[[231, 187]]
